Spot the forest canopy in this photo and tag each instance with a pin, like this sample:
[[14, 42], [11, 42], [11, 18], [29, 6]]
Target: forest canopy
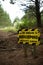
[[4, 18]]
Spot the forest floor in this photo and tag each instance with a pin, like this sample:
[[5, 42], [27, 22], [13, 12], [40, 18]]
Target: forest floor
[[15, 56]]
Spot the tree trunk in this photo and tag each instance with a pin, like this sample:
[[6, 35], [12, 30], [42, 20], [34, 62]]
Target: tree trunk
[[38, 15]]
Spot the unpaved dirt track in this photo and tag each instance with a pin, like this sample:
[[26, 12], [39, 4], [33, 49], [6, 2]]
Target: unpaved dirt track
[[16, 56]]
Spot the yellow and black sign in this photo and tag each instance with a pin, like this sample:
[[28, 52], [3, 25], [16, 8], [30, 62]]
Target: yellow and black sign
[[29, 36]]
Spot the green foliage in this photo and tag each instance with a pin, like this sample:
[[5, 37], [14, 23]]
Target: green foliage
[[4, 18], [16, 20], [30, 17], [28, 20], [17, 24]]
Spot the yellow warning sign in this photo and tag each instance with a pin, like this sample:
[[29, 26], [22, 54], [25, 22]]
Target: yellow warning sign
[[29, 36]]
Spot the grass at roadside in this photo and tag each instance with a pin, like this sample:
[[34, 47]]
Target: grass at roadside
[[7, 29]]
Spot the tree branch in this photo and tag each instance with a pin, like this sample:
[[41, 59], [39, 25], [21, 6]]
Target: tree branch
[[32, 1]]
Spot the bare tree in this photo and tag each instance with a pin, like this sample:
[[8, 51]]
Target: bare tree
[[38, 15]]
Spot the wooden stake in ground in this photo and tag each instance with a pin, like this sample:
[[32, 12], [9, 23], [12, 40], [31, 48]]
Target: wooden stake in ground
[[34, 51], [25, 50]]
